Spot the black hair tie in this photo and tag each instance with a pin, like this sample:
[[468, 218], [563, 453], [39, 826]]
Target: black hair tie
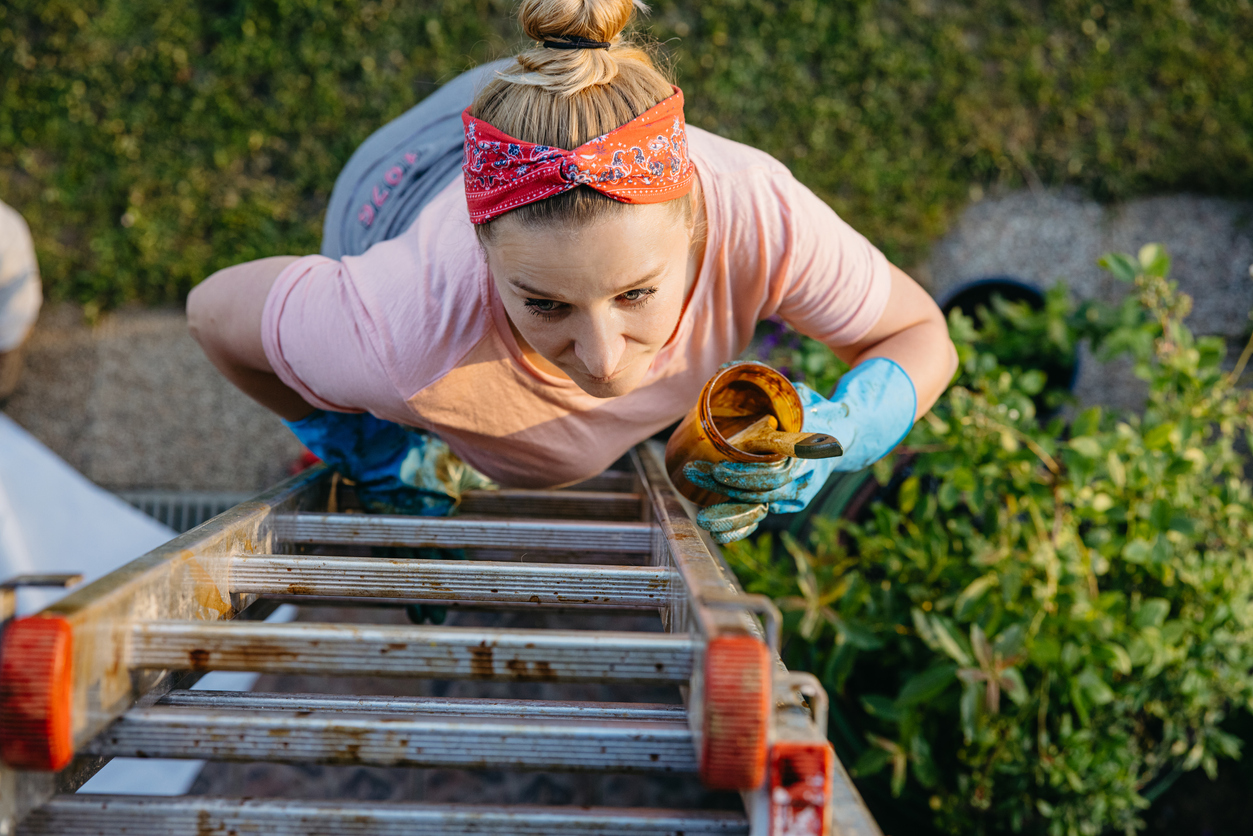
[[575, 42]]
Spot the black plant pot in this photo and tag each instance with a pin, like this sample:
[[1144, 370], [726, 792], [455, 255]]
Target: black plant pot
[[975, 294]]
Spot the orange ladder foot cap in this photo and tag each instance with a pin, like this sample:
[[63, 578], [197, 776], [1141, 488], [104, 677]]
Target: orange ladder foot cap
[[36, 665]]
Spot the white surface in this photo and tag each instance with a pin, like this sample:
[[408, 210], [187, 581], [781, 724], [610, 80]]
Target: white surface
[[52, 519], [20, 292]]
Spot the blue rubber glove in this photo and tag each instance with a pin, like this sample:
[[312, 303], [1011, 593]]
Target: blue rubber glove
[[870, 412], [393, 466]]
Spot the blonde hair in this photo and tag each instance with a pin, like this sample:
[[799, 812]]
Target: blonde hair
[[565, 98]]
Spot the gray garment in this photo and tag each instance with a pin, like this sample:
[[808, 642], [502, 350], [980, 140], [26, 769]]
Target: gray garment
[[403, 164]]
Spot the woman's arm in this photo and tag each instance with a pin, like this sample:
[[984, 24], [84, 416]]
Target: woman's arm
[[912, 331], [224, 315]]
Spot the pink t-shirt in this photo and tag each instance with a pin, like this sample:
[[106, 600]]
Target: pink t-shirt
[[413, 330]]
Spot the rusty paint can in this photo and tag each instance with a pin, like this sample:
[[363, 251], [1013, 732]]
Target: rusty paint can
[[733, 399]]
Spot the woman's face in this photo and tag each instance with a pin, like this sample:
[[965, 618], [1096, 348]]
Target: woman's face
[[597, 302]]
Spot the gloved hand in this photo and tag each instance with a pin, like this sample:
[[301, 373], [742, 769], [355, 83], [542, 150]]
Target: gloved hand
[[870, 412], [396, 469]]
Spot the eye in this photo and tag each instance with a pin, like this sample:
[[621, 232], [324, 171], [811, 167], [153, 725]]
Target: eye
[[639, 294], [543, 307]]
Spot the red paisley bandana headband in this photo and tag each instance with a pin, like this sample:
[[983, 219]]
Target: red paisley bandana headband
[[643, 161]]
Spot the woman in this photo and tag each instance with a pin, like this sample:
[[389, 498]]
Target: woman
[[536, 284]]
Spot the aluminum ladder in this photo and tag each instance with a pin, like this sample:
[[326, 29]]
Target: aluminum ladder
[[105, 671]]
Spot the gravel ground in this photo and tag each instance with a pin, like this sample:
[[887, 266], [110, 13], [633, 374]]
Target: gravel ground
[[1045, 237], [133, 403]]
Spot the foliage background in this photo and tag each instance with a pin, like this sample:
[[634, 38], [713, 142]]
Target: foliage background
[[1041, 622], [150, 142]]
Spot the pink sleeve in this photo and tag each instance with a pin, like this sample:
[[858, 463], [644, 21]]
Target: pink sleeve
[[836, 283], [315, 332]]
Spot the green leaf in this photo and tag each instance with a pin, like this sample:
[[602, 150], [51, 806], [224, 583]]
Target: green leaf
[[1085, 446], [1152, 613], [972, 593], [1119, 658], [925, 628], [969, 710], [963, 478], [1162, 551], [949, 496], [923, 686], [899, 765], [1117, 470], [1094, 687], [858, 635], [1159, 437], [1088, 422], [1045, 650], [950, 641], [1121, 265], [1137, 551], [1141, 652], [885, 708], [1010, 640], [871, 761], [883, 469], [1032, 382], [1160, 513], [1154, 261], [1014, 687], [924, 766], [908, 496]]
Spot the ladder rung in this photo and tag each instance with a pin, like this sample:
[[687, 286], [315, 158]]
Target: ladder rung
[[339, 737], [90, 815], [433, 652], [639, 587], [599, 505], [452, 533], [461, 707]]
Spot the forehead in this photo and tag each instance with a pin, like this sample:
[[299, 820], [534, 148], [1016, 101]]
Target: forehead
[[644, 242]]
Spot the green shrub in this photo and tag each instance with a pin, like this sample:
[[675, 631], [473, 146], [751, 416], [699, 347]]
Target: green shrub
[[1037, 627], [150, 143]]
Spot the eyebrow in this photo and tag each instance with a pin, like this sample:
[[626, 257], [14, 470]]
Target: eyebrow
[[526, 288]]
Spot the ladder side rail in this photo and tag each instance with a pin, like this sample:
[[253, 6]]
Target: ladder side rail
[[729, 696], [185, 578], [784, 800]]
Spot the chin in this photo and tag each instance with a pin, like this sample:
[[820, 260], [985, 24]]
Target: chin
[[618, 386]]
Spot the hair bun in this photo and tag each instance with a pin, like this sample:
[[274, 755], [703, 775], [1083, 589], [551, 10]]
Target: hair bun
[[595, 20], [566, 97]]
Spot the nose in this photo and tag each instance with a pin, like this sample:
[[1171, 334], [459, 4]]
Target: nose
[[600, 345]]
